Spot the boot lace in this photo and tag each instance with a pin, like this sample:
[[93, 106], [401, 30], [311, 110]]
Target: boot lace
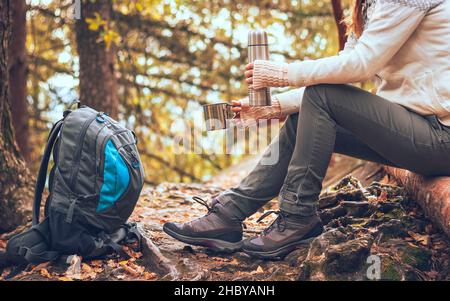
[[279, 222], [203, 202], [210, 209]]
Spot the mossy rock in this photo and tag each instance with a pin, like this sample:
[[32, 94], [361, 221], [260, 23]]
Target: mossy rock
[[394, 228], [391, 269], [357, 209], [393, 193], [344, 221], [417, 257], [413, 258], [347, 257], [336, 255]]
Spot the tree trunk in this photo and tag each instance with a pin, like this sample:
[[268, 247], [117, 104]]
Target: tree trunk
[[15, 185], [338, 13], [18, 76], [432, 194], [98, 86]]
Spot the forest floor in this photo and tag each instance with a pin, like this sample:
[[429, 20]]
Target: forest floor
[[369, 224]]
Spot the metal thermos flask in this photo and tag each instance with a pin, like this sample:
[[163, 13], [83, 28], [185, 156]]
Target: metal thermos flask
[[258, 49]]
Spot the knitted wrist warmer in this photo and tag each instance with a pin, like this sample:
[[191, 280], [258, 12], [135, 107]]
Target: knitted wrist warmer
[[253, 114], [269, 74]]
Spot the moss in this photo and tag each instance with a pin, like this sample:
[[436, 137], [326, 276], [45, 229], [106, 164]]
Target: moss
[[395, 213], [417, 257], [389, 270]]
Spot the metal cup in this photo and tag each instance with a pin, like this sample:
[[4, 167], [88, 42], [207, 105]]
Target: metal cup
[[217, 116]]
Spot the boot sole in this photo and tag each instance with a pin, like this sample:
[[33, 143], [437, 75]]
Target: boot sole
[[210, 243], [280, 253]]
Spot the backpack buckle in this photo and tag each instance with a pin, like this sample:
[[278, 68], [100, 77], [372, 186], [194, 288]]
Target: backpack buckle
[[101, 117]]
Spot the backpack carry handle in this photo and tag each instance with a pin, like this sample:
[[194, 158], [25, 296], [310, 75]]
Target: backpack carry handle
[[42, 175]]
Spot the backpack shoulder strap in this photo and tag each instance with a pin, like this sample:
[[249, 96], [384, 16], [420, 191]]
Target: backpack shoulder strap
[[31, 257], [30, 247], [42, 175]]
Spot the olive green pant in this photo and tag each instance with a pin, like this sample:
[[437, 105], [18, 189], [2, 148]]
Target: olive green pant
[[342, 119]]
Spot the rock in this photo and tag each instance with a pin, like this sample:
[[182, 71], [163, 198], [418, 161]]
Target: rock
[[295, 258], [347, 183], [344, 221], [385, 192], [328, 215], [335, 255], [391, 270], [414, 224], [357, 209], [379, 224], [403, 260], [347, 189], [347, 257], [347, 208], [416, 256], [391, 229], [328, 200]]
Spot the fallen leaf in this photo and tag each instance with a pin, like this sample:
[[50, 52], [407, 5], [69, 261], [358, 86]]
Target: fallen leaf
[[87, 272], [220, 259], [111, 263], [149, 275], [422, 239], [98, 269], [96, 263], [40, 266], [45, 273], [132, 253], [234, 261], [132, 271], [86, 268]]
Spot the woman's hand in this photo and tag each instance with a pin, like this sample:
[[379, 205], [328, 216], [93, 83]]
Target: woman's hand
[[246, 115], [263, 74], [249, 74]]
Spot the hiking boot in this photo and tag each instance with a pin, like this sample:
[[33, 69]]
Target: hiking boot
[[284, 235], [218, 230]]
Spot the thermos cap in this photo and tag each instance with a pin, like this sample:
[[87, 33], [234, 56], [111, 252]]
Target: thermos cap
[[257, 37]]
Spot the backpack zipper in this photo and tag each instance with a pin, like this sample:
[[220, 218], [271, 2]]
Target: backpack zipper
[[127, 163], [77, 159], [133, 155]]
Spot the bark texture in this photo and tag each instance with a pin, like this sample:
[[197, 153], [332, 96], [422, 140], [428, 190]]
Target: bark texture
[[17, 61], [432, 194], [98, 84], [15, 184], [338, 14]]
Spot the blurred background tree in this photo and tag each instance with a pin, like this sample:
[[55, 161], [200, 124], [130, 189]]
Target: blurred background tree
[[15, 181], [153, 63]]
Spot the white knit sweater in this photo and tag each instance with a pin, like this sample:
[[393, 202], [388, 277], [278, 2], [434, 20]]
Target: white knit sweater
[[405, 47]]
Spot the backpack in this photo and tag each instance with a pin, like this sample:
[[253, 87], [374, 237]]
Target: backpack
[[94, 185]]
